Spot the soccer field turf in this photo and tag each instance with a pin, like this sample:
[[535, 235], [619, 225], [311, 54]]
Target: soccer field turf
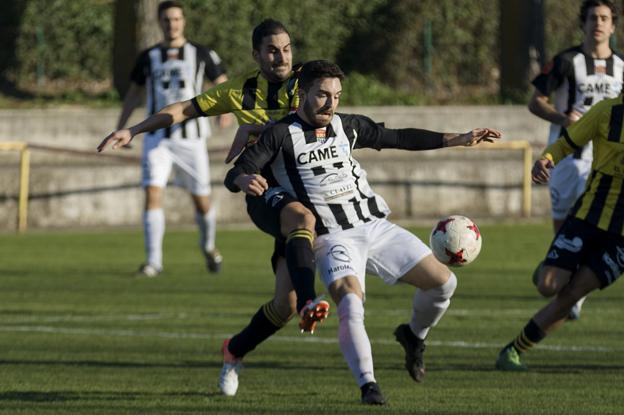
[[79, 335]]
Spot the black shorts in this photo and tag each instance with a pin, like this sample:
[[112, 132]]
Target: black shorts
[[264, 212], [580, 243]]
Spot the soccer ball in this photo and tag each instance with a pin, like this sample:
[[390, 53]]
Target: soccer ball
[[455, 240]]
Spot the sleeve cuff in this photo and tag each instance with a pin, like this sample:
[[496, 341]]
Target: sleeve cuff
[[197, 107]]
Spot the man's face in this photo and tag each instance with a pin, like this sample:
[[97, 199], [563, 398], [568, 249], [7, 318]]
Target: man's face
[[599, 24], [275, 57], [321, 101], [172, 23]]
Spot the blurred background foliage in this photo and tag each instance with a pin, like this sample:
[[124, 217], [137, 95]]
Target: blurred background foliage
[[395, 52]]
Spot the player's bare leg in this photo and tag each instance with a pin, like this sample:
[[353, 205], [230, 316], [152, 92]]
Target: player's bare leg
[[548, 319], [270, 318]]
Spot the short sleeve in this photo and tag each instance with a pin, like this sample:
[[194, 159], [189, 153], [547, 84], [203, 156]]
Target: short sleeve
[[214, 66], [141, 69]]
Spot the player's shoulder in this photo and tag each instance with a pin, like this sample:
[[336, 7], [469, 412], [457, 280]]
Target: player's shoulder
[[236, 83], [607, 103], [350, 119], [568, 54], [617, 54], [284, 123], [148, 49], [205, 52], [601, 111]]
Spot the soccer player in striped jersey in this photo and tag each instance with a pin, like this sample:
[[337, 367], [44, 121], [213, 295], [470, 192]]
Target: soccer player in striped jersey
[[265, 94], [308, 155], [169, 72], [577, 78], [588, 252]]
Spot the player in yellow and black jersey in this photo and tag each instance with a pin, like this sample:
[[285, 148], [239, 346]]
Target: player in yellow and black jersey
[[268, 93], [588, 251]]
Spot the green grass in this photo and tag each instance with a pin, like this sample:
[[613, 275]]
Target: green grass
[[78, 335]]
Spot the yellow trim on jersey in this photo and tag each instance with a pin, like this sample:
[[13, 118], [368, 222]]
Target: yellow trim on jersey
[[602, 204], [251, 98]]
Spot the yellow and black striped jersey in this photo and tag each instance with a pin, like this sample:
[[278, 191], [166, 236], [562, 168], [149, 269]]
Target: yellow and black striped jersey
[[251, 98], [602, 203]]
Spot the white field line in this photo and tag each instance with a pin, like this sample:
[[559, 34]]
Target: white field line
[[184, 316], [291, 339]]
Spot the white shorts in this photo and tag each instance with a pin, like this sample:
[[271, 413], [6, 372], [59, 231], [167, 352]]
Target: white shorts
[[187, 157], [566, 184], [378, 247]]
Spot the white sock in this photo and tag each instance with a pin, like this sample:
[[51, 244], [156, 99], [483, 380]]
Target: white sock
[[207, 224], [429, 306], [353, 339], [153, 232]]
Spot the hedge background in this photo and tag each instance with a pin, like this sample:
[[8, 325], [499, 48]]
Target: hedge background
[[395, 52]]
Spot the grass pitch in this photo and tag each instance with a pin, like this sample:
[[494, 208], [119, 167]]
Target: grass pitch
[[79, 335]]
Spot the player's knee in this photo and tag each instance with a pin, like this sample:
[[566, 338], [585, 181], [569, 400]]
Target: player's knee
[[296, 216], [445, 291], [351, 308], [285, 306], [546, 289], [551, 281]]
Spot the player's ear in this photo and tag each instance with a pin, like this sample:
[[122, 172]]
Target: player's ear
[[255, 55]]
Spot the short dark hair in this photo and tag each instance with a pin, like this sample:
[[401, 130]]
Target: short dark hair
[[266, 28], [319, 69], [588, 4], [169, 4]]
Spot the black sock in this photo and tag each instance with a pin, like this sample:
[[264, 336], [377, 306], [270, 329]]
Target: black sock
[[530, 335], [262, 326], [301, 265]]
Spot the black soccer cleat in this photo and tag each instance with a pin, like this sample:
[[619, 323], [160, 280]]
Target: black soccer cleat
[[371, 394], [213, 261], [414, 349]]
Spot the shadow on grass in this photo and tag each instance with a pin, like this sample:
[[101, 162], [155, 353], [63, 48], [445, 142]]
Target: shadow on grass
[[272, 364], [118, 365], [64, 396]]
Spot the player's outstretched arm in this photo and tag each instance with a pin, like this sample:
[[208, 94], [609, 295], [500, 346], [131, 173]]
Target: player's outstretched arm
[[166, 117], [471, 138], [541, 170], [242, 138]]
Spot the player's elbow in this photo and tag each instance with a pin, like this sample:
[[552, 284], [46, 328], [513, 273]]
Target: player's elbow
[[533, 107]]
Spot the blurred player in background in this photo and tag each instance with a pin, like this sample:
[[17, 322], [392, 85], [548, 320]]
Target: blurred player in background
[[264, 94], [309, 155], [588, 252], [172, 71], [578, 78]]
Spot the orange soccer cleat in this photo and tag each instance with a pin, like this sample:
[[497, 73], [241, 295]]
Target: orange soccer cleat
[[315, 311]]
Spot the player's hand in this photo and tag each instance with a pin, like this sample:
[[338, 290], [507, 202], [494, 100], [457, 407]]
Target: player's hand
[[252, 184], [541, 171], [572, 117], [241, 139], [479, 135], [116, 139]]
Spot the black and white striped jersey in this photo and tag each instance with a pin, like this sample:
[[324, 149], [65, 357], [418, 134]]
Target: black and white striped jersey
[[176, 74], [315, 165], [578, 81]]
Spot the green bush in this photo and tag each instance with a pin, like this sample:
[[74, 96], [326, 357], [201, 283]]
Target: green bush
[[407, 51], [61, 39]]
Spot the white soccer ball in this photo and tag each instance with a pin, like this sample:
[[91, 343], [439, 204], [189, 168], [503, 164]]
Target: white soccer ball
[[455, 240]]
